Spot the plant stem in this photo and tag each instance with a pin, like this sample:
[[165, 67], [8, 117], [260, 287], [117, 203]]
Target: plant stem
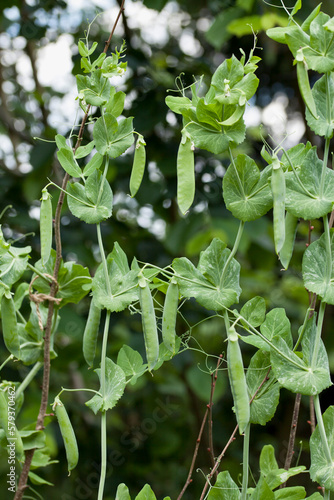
[[324, 166], [6, 361], [320, 321], [322, 431], [236, 173], [103, 371], [234, 250], [31, 375], [245, 462]]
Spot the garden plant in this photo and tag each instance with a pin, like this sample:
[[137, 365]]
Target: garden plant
[[292, 184]]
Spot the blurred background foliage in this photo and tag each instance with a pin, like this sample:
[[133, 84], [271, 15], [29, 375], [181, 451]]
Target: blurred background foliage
[[153, 430]]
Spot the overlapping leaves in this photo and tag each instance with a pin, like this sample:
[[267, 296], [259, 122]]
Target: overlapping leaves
[[215, 281]]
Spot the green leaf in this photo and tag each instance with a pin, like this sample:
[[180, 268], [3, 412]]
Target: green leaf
[[324, 126], [114, 388], [263, 406], [274, 476], [146, 494], [61, 142], [13, 264], [300, 203], [86, 203], [123, 284], [291, 493], [246, 192], [224, 488], [115, 105], [254, 311], [278, 34], [83, 151], [68, 162], [94, 164], [42, 458], [178, 104], [212, 284], [73, 280], [315, 269], [297, 374], [122, 492], [131, 362], [320, 470], [277, 324], [297, 7], [262, 491], [33, 439], [113, 138], [320, 54]]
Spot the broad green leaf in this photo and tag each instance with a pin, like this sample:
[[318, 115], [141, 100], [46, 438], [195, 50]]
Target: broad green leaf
[[146, 494], [115, 105], [209, 113], [86, 203], [274, 476], [263, 406], [278, 34], [212, 284], [178, 104], [246, 192], [83, 151], [320, 55], [296, 155], [94, 164], [297, 40], [291, 493], [42, 458], [262, 491], [68, 162], [206, 137], [300, 203], [122, 492], [114, 387], [254, 311], [131, 362], [297, 7], [230, 72], [307, 23], [33, 439], [123, 285], [296, 374], [73, 280], [315, 269], [245, 88], [13, 264], [277, 324], [325, 124], [224, 488], [320, 470], [113, 138]]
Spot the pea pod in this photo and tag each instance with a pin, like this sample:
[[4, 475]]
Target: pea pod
[[304, 84], [91, 333], [185, 174], [169, 315], [11, 431], [46, 226], [149, 324], [9, 326], [291, 223], [67, 432], [138, 166], [237, 380], [278, 192]]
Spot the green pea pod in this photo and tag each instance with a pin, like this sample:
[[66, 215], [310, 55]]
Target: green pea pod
[[91, 333], [67, 432], [138, 166], [237, 380], [291, 223], [46, 226], [278, 192], [7, 422], [149, 324], [185, 175], [9, 326], [169, 315], [305, 89]]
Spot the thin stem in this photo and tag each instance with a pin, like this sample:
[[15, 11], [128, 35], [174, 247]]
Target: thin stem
[[245, 462], [6, 361], [318, 334], [36, 271], [292, 437], [234, 250], [322, 431], [31, 375]]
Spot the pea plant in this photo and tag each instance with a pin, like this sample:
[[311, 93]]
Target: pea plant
[[294, 183]]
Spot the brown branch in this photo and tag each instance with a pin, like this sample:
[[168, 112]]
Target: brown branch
[[53, 290], [199, 437]]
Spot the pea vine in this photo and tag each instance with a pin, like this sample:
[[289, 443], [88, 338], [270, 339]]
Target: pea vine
[[295, 184]]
